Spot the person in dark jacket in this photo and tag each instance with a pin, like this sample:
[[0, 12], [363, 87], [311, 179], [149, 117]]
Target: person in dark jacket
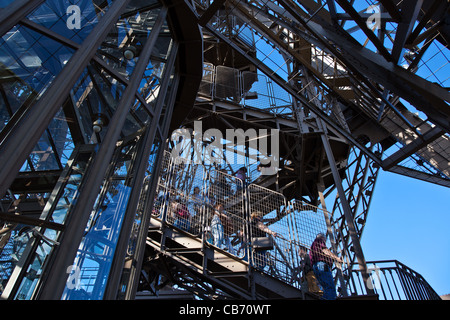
[[322, 261], [308, 275], [259, 230]]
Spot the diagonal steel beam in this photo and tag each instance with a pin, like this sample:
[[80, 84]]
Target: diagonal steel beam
[[412, 148], [210, 12], [15, 148], [392, 9], [437, 4], [408, 172], [410, 12], [363, 26]]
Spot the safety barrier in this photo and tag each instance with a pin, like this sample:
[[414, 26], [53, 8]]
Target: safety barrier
[[392, 280], [253, 223], [245, 88]]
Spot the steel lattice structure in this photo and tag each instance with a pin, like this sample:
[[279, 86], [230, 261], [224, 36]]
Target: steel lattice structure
[[95, 96]]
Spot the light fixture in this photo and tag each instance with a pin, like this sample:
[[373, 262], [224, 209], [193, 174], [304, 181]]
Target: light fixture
[[97, 125], [129, 53]]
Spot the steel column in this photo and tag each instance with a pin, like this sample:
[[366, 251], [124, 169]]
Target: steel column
[[142, 165], [142, 238], [331, 233], [286, 86], [347, 212]]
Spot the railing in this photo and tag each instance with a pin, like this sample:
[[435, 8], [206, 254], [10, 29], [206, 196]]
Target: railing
[[252, 223], [245, 88], [392, 280], [221, 209]]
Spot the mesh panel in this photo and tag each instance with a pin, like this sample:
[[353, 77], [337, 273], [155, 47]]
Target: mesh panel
[[250, 222], [226, 222], [227, 84]]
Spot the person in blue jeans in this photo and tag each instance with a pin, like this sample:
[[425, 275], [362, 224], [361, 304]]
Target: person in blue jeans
[[217, 226], [322, 261]]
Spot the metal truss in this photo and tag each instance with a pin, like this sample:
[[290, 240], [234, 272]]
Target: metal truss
[[344, 83], [330, 57], [359, 182], [352, 86], [57, 109]]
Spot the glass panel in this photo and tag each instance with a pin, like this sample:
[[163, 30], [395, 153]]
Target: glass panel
[[5, 3], [137, 228], [95, 97], [96, 251], [71, 19], [152, 78], [34, 270], [29, 62], [123, 45], [38, 248], [150, 84], [140, 5], [136, 119], [67, 193], [161, 49]]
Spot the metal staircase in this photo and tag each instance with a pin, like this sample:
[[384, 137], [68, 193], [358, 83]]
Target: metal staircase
[[208, 272], [183, 251], [182, 260]]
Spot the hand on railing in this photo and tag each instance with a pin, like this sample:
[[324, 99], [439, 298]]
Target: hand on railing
[[330, 254]]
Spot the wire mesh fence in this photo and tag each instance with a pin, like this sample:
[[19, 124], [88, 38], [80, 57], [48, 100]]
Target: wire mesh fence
[[260, 227], [250, 222], [307, 222], [225, 223], [268, 227], [246, 88]]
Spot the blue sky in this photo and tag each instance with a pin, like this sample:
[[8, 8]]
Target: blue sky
[[408, 221]]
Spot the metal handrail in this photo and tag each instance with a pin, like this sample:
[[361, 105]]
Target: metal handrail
[[246, 88], [392, 280]]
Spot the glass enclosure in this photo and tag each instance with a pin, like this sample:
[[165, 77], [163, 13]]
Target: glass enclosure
[[38, 208]]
